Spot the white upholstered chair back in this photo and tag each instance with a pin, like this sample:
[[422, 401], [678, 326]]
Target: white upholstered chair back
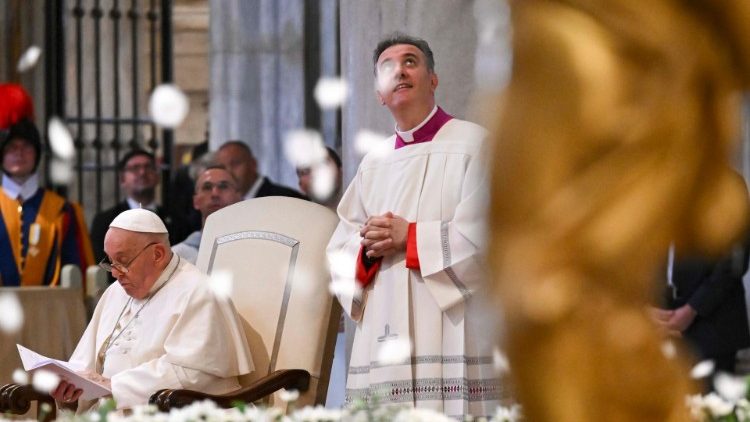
[[274, 248]]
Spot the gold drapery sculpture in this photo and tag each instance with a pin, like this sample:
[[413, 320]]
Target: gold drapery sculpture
[[613, 139]]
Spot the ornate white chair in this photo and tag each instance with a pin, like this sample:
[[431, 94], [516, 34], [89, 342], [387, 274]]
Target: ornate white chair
[[274, 249]]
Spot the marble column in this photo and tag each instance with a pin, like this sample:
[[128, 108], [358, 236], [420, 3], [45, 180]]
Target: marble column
[[257, 78]]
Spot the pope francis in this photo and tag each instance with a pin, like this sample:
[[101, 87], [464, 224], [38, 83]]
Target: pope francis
[[160, 326]]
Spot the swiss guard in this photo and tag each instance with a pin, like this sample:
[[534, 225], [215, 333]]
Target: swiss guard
[[40, 231]]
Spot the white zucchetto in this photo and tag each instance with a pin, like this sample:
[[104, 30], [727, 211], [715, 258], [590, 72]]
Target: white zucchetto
[[139, 220]]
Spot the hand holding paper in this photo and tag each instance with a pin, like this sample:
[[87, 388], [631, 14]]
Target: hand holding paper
[[74, 379]]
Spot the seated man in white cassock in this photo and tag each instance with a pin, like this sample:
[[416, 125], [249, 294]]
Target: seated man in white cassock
[[160, 326]]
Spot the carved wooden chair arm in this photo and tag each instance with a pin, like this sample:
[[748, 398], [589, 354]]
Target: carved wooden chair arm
[[291, 379], [16, 399]]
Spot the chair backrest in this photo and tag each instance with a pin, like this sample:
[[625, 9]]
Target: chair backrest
[[71, 277], [274, 248]]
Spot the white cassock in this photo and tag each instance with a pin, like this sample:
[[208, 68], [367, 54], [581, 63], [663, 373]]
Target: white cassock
[[441, 185], [183, 338]]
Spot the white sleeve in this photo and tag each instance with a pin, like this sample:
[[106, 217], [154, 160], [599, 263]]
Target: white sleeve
[[343, 248], [135, 386], [451, 252]]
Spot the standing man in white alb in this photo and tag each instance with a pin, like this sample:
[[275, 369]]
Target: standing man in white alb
[[412, 228]]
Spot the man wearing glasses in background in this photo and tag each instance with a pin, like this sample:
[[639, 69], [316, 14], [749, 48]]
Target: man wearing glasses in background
[[215, 189], [160, 326], [139, 176]]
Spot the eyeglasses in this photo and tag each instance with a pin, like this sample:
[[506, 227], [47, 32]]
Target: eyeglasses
[[107, 265]]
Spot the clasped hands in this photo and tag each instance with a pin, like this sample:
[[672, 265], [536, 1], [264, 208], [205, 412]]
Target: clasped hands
[[674, 321], [384, 235]]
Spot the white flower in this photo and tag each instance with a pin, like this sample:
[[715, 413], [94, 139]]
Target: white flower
[[730, 387], [168, 106], [45, 381], [703, 369], [11, 313], [29, 59], [252, 413], [420, 415], [317, 413], [288, 395], [331, 92], [508, 414], [696, 406], [717, 406], [742, 410]]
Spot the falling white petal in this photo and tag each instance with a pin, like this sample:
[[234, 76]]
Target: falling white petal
[[20, 376], [366, 141], [304, 148], [703, 369], [500, 361], [61, 172], [29, 59], [44, 381], [168, 106], [288, 395], [342, 264], [323, 180], [668, 349], [60, 138], [394, 351], [11, 313], [730, 387], [221, 283], [331, 92], [386, 78], [345, 288], [492, 57]]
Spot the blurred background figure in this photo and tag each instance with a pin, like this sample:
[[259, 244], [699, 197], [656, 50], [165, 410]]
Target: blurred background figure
[[40, 230], [237, 157], [215, 189], [182, 188], [328, 175], [139, 178], [705, 304]]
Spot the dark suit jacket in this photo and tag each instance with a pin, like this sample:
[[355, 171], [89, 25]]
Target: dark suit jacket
[[714, 289], [269, 188], [102, 220]]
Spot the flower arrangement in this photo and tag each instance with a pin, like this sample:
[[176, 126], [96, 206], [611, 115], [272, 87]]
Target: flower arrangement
[[207, 411], [727, 403]]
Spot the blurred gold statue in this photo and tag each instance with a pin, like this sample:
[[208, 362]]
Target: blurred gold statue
[[613, 140]]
